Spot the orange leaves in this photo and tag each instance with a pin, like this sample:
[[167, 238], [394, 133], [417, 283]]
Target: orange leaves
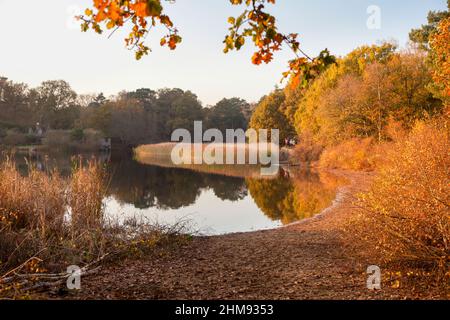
[[141, 14], [258, 25], [440, 44], [257, 59], [140, 8], [261, 27], [114, 11], [254, 23], [171, 41], [303, 70]]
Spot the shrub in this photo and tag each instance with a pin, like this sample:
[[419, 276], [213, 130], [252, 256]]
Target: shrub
[[14, 138], [307, 150], [77, 139], [407, 208], [77, 134], [55, 139], [354, 154]]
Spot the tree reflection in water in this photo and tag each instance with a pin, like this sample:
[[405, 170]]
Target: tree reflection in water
[[296, 195], [148, 186]]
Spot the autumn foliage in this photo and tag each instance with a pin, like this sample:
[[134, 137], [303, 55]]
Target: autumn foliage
[[406, 212], [440, 44], [254, 23], [141, 14]]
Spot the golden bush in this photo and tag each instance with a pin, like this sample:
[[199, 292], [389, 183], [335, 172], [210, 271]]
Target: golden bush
[[406, 212], [354, 154]]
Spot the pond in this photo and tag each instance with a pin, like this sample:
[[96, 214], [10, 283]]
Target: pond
[[210, 203]]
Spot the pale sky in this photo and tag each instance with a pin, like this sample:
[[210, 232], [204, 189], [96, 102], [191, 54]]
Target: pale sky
[[40, 42]]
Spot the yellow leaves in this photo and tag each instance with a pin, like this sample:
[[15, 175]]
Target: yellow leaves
[[111, 24], [256, 58], [440, 44]]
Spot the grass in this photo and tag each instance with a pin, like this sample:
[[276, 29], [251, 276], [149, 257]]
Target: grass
[[48, 223], [160, 155]]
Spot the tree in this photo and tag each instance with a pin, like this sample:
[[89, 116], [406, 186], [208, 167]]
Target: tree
[[311, 115], [228, 114], [98, 101], [440, 45], [359, 96], [127, 121], [14, 105], [184, 110], [410, 97], [254, 23], [55, 104], [422, 35], [267, 115]]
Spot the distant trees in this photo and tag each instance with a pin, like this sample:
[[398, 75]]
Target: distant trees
[[228, 114], [54, 105], [148, 116], [14, 105], [140, 116]]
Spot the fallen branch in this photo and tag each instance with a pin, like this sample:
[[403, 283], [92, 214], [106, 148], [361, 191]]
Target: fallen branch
[[25, 279]]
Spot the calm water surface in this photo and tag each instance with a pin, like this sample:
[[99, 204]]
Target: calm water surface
[[212, 204]]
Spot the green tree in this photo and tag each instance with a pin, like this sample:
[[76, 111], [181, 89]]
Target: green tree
[[268, 116], [228, 114], [422, 35], [55, 105]]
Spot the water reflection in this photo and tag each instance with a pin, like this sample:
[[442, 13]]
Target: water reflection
[[295, 196], [147, 186], [217, 203]]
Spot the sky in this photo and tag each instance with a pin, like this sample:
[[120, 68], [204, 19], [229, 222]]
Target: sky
[[41, 41]]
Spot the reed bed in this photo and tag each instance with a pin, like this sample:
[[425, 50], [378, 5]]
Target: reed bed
[[160, 155], [48, 223]]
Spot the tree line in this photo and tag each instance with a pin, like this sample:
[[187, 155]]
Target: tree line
[[137, 117], [366, 92]]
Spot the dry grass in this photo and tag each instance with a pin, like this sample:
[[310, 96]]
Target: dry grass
[[48, 223], [406, 212], [160, 155]]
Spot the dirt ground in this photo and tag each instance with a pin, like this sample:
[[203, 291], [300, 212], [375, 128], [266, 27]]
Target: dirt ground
[[307, 260]]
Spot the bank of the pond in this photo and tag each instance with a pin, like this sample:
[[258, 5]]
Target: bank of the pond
[[308, 260]]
